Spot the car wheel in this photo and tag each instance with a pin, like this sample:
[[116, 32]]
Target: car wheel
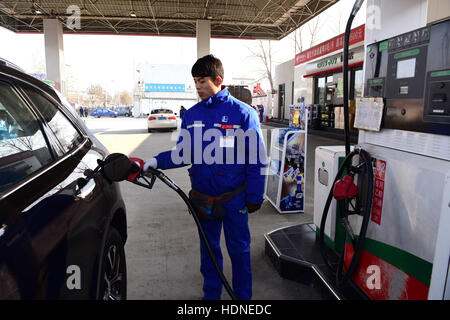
[[113, 281]]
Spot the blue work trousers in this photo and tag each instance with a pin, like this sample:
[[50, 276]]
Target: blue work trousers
[[237, 239]]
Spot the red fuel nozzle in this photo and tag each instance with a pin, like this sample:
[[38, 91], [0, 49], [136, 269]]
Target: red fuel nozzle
[[139, 167], [345, 188]]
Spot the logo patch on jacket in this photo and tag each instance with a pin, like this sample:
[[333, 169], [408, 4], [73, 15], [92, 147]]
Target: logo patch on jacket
[[225, 119]]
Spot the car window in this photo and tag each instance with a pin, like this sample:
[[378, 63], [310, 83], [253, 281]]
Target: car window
[[63, 129], [23, 148], [155, 111]]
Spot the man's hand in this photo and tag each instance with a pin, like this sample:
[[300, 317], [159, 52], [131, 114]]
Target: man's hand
[[150, 163], [251, 207]]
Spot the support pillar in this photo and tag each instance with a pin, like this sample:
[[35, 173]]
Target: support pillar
[[54, 53], [203, 38]]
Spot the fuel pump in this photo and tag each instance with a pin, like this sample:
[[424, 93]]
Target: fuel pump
[[400, 227], [406, 228], [383, 231], [410, 73]]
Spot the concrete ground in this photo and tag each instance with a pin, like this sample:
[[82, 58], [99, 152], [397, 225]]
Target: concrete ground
[[162, 250]]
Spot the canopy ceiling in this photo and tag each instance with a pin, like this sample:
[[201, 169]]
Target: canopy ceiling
[[246, 19]]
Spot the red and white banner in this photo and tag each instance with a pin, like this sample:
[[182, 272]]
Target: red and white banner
[[329, 46], [378, 191]]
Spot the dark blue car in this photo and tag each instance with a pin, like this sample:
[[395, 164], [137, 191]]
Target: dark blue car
[[103, 112]]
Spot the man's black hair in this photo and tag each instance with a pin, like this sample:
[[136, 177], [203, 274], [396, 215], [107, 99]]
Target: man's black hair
[[208, 66]]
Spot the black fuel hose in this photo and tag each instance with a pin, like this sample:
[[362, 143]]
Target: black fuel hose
[[356, 7], [341, 276], [347, 165], [172, 185]]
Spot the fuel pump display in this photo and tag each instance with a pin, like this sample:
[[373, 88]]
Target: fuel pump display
[[411, 71]]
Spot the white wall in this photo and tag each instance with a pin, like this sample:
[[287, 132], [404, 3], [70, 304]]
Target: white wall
[[145, 106], [387, 18], [303, 86], [284, 73]]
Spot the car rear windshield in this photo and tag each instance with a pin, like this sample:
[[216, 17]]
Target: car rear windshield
[[155, 111]]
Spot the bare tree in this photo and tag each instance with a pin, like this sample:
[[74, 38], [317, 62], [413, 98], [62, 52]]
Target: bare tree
[[313, 28], [337, 24], [125, 98], [297, 39], [20, 144], [264, 55], [96, 94]]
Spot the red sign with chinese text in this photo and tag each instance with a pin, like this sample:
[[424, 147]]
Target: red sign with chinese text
[[378, 191], [258, 90], [356, 35]]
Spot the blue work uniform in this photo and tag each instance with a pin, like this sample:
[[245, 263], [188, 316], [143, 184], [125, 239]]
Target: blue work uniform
[[225, 162]]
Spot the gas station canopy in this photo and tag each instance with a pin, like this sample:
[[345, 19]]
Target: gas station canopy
[[246, 19]]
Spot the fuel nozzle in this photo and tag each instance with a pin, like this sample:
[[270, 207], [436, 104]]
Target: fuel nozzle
[[345, 188]]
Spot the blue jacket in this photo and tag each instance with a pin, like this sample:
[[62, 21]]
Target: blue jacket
[[226, 160]]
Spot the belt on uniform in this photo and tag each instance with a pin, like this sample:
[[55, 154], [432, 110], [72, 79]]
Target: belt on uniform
[[211, 208]]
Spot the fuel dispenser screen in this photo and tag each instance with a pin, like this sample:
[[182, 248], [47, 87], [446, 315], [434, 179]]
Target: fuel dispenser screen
[[406, 68]]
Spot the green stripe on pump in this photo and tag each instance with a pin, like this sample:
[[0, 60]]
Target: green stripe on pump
[[440, 73], [375, 80], [326, 239], [383, 46], [405, 54]]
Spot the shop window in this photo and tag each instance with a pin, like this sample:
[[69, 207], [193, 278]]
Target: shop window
[[281, 100], [292, 93], [358, 84], [320, 91]]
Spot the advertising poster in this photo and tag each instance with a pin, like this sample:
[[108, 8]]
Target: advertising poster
[[273, 179], [292, 191]]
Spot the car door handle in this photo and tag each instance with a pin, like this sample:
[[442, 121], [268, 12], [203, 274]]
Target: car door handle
[[87, 189]]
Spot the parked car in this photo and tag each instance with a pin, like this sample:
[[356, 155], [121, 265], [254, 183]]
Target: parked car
[[103, 112], [62, 225], [161, 119], [124, 111]]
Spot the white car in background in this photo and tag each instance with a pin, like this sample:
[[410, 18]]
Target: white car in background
[[162, 119]]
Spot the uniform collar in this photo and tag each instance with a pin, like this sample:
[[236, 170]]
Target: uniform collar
[[220, 96]]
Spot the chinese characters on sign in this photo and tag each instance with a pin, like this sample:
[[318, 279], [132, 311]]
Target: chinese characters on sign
[[356, 35], [378, 191]]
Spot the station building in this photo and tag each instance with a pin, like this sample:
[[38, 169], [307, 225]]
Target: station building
[[167, 86]]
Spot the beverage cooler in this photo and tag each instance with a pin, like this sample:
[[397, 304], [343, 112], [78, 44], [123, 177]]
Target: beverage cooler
[[285, 187]]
